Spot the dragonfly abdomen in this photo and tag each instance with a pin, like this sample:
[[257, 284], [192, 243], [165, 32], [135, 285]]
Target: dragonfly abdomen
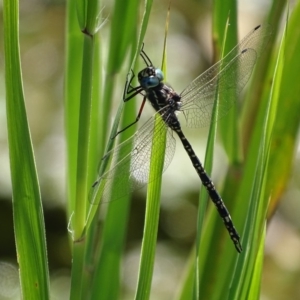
[[207, 182]]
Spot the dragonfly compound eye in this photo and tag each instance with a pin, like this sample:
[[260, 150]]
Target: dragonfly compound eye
[[150, 82]]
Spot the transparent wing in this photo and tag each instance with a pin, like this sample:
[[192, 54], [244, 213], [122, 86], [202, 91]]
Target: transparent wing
[[227, 78], [131, 172]]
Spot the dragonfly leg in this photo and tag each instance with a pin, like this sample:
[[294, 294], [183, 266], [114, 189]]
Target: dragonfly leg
[[136, 120]]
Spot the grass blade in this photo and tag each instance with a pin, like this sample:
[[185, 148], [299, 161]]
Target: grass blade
[[27, 206]]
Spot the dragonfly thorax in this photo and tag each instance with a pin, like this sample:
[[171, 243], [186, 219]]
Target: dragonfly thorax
[[150, 77], [163, 96]]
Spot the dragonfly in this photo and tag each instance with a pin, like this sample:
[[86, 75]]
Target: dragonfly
[[226, 78]]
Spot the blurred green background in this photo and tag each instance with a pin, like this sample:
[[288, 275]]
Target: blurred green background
[[42, 41]]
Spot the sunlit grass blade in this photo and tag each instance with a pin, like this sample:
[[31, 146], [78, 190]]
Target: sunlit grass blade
[[208, 249], [225, 12], [71, 96], [125, 16], [78, 219], [221, 281], [209, 241], [254, 291], [152, 213], [149, 241], [259, 196], [88, 20], [106, 261], [27, 206], [284, 135], [252, 100]]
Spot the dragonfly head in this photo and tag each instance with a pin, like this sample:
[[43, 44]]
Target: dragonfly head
[[150, 77]]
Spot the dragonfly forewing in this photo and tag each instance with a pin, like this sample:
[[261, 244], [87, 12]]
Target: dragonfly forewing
[[227, 78], [130, 163]]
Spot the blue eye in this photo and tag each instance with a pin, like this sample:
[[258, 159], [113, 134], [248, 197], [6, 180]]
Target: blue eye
[[154, 80], [150, 82], [150, 77], [159, 74]]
